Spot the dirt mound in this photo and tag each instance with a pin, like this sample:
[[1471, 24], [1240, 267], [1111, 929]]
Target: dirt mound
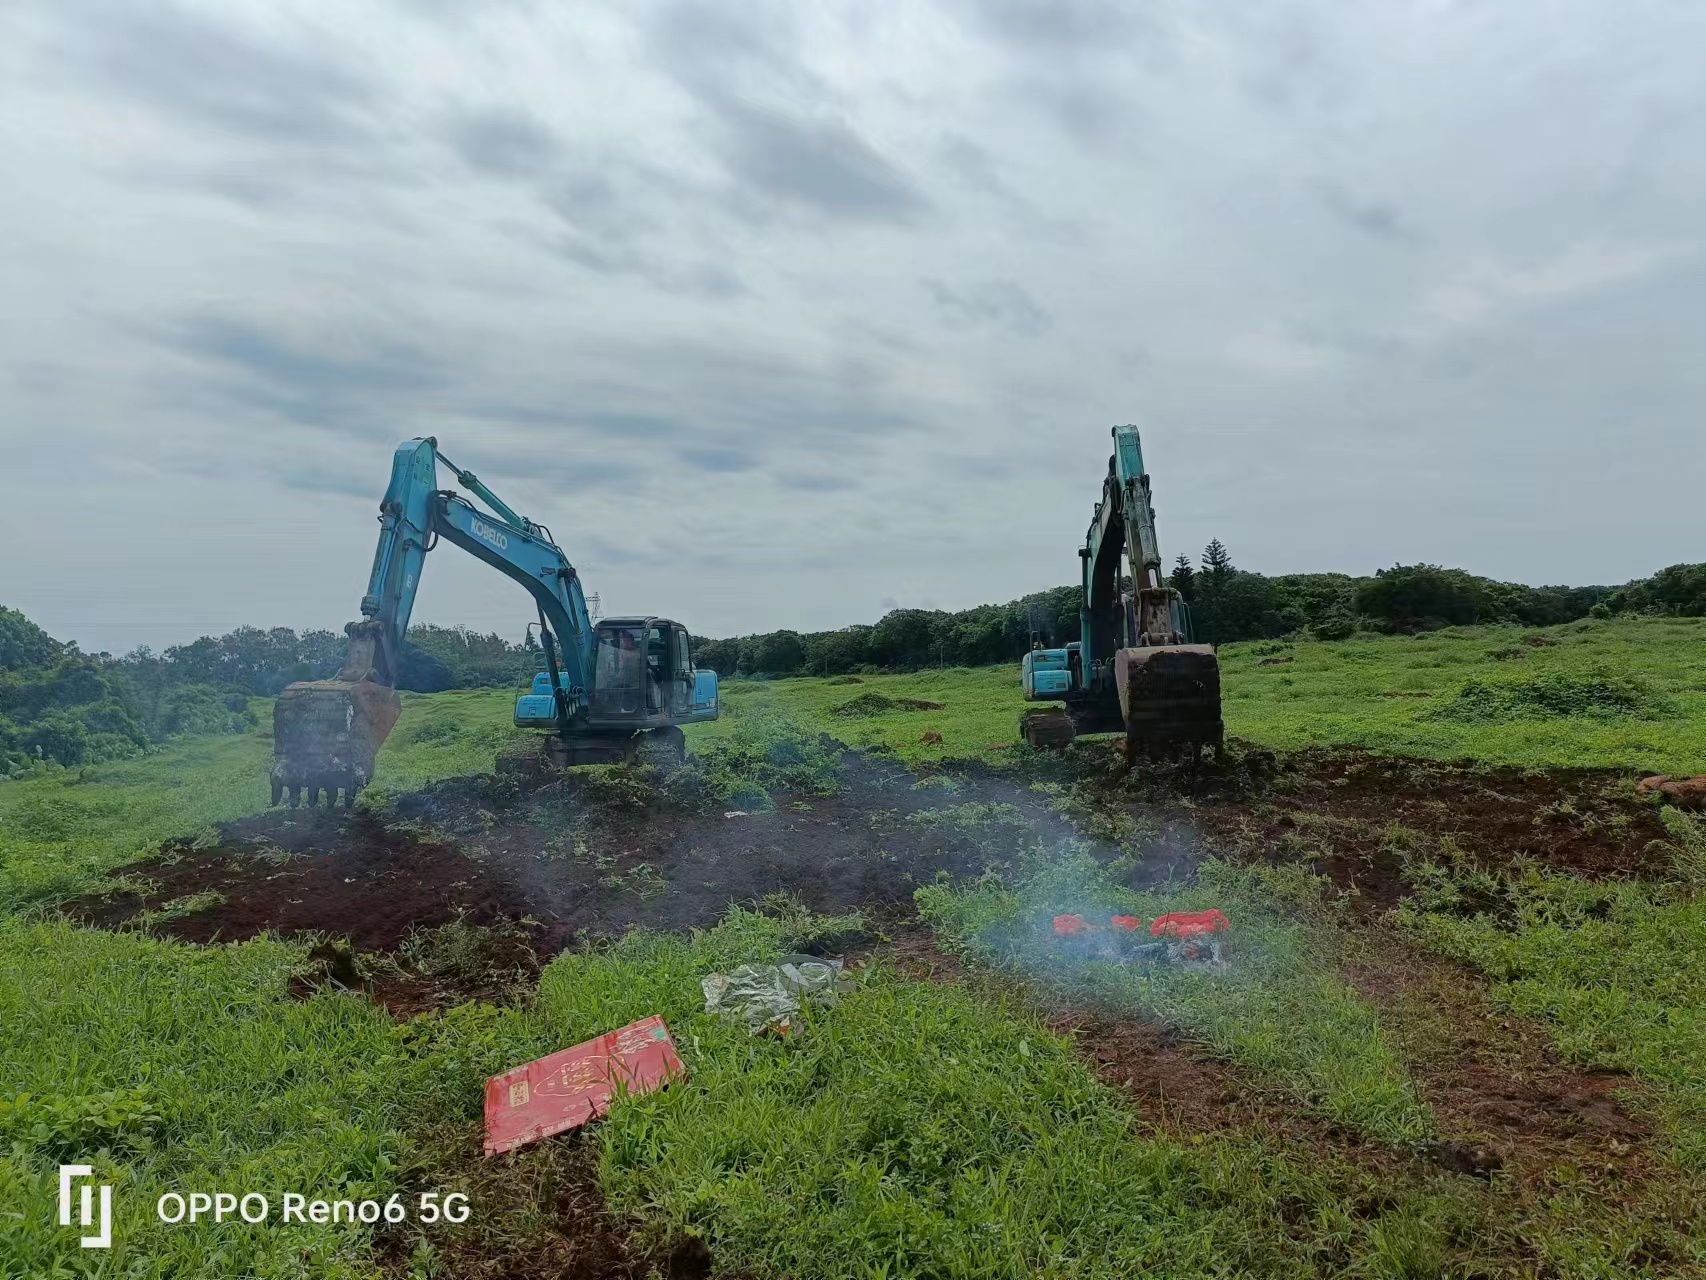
[[876, 704], [1684, 793]]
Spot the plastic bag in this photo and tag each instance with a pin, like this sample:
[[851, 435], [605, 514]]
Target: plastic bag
[[768, 995]]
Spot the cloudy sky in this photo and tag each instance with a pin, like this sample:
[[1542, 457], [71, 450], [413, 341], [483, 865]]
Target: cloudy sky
[[782, 314]]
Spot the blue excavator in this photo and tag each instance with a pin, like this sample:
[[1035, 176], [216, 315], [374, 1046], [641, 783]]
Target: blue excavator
[[617, 691], [1134, 667]]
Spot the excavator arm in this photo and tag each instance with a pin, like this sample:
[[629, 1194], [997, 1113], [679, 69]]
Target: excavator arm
[[1134, 665], [1150, 612], [327, 732]]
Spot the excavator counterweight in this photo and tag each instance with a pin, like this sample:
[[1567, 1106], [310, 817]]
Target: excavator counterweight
[[1134, 666]]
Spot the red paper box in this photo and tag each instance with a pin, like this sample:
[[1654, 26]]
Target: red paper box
[[566, 1089]]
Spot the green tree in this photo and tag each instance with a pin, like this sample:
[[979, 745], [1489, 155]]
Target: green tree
[[1216, 561], [1236, 606], [1414, 596], [1679, 589], [24, 645], [779, 653], [1184, 578]]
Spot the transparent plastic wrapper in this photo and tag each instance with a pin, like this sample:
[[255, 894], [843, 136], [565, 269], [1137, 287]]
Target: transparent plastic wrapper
[[766, 996]]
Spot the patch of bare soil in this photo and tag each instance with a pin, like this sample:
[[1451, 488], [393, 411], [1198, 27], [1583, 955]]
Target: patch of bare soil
[[1494, 1079], [1351, 815], [563, 864]]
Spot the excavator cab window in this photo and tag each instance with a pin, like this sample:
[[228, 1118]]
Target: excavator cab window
[[657, 668], [682, 669], [620, 679]]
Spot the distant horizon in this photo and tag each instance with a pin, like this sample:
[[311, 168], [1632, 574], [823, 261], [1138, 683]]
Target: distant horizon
[[804, 630]]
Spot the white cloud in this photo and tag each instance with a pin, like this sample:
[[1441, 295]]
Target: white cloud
[[1488, 289]]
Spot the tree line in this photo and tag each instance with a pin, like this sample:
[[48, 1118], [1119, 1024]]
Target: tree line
[[1226, 603], [60, 705]]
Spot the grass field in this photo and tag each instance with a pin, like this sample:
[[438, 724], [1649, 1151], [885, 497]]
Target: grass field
[[916, 1128], [1393, 694], [1621, 694]]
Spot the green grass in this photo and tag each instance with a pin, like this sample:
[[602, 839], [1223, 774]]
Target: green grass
[[1617, 968], [61, 831], [913, 1129], [916, 1130], [1624, 694], [979, 718], [176, 1068], [1280, 1010]]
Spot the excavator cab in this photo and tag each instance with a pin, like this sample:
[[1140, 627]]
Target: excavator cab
[[643, 677]]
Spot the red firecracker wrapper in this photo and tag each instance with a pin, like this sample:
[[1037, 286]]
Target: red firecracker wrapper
[[1125, 924], [1190, 924], [566, 1089], [1070, 926]]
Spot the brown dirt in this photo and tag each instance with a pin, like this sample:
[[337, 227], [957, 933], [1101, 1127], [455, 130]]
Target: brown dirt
[[1494, 1079], [454, 852], [1336, 810]]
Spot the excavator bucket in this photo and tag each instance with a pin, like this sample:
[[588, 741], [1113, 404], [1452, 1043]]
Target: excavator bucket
[[325, 734], [1170, 697]]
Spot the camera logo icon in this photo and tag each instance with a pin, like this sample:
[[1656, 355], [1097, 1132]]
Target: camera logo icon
[[69, 1173]]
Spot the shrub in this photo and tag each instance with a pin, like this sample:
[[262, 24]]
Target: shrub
[[1598, 697], [200, 708]]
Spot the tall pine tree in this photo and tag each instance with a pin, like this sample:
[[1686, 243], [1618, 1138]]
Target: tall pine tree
[[1216, 561], [1184, 578]]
